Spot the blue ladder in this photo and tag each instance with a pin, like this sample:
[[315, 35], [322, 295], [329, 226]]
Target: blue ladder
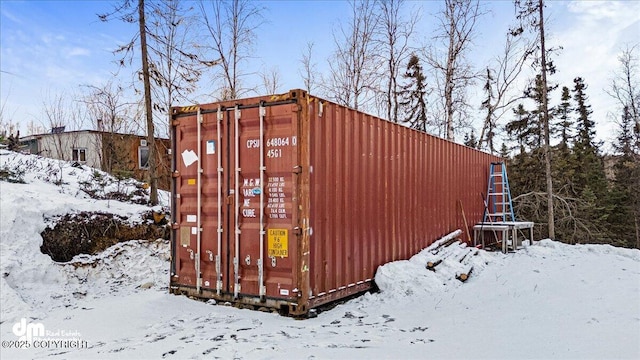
[[499, 205]]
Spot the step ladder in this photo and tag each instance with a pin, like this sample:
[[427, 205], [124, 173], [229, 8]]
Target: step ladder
[[499, 207]]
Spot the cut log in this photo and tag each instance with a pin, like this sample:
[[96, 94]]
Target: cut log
[[472, 251], [445, 239], [463, 276], [432, 264], [444, 245]]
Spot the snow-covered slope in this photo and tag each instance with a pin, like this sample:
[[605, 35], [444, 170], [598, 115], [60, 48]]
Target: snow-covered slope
[[548, 300], [31, 282]]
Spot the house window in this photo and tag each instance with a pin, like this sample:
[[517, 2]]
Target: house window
[[79, 154], [143, 157]]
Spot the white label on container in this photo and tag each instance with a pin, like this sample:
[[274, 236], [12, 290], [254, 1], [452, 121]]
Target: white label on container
[[192, 218], [189, 157], [194, 231], [284, 292], [206, 283], [211, 147]]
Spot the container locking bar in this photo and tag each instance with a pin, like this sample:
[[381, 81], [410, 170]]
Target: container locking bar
[[263, 169], [219, 170], [199, 204], [236, 265]]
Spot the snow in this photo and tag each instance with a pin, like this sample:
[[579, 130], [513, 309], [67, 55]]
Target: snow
[[548, 300]]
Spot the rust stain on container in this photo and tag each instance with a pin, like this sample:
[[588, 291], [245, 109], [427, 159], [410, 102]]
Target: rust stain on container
[[291, 201]]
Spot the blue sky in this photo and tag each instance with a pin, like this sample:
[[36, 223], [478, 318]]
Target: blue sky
[[49, 47]]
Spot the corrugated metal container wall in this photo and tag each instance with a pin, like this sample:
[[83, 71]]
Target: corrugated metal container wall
[[291, 201]]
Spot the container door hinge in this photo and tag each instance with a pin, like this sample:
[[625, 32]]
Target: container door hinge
[[297, 169], [297, 231]]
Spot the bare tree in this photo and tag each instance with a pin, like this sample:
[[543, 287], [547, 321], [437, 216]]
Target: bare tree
[[35, 128], [232, 26], [108, 109], [271, 80], [175, 68], [127, 12], [7, 125], [112, 114], [352, 66], [55, 119], [61, 115], [453, 73], [309, 69], [148, 107], [394, 42], [578, 229], [531, 14], [499, 80], [625, 85]]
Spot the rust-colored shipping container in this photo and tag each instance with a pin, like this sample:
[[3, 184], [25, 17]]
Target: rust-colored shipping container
[[291, 201]]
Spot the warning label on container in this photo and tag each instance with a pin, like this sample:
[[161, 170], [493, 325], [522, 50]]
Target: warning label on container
[[278, 243]]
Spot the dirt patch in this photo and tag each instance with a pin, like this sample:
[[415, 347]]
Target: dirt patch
[[92, 232]]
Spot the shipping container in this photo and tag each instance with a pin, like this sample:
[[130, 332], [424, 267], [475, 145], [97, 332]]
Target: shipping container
[[291, 202]]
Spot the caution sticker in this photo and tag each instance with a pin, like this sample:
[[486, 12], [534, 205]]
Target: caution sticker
[[278, 243]]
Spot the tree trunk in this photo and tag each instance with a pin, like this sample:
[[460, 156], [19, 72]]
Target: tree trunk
[[637, 227], [448, 85], [390, 88], [151, 144], [545, 117]]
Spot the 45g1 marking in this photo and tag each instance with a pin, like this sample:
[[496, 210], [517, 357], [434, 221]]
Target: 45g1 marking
[[274, 153]]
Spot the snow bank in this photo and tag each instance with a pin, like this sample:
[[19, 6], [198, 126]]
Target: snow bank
[[32, 284]]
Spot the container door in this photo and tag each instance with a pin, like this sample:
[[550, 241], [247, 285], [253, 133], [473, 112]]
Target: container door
[[199, 201], [264, 186]]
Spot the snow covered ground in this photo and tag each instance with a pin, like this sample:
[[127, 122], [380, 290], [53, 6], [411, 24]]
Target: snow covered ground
[[547, 301]]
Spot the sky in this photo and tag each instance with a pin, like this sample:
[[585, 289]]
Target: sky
[[548, 300], [53, 47]]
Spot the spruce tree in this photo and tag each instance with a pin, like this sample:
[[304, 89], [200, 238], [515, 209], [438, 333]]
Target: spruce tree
[[564, 125], [504, 151], [526, 170], [589, 164], [414, 94], [537, 93], [487, 104], [521, 128], [563, 165], [624, 219], [528, 167], [470, 139], [589, 180]]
